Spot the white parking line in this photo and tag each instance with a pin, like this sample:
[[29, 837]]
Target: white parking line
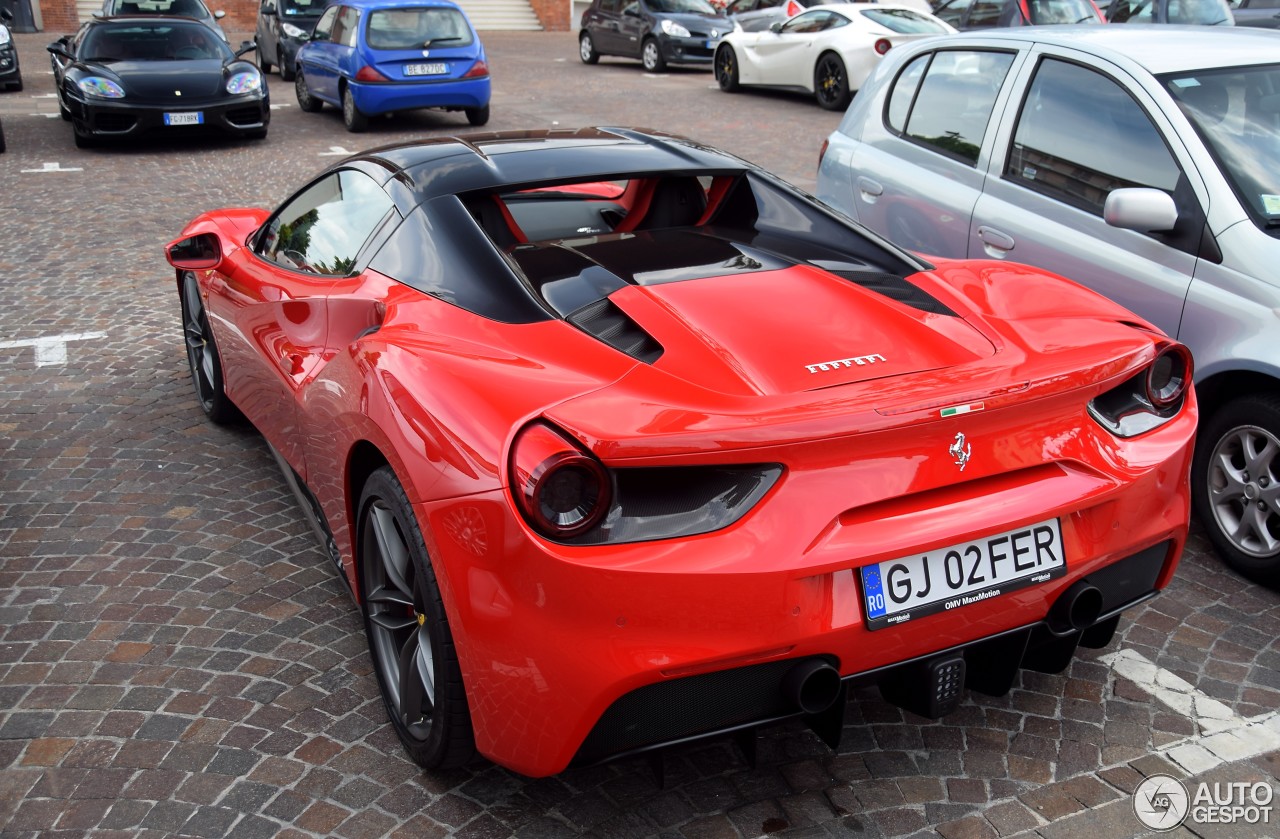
[[1223, 735], [53, 167], [51, 349], [46, 116], [335, 151], [44, 95]]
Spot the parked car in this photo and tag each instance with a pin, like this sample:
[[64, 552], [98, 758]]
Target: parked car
[[758, 15], [194, 9], [658, 32], [826, 51], [1207, 12], [986, 14], [1124, 158], [1263, 14], [122, 77], [619, 441], [10, 69], [370, 57], [283, 27]]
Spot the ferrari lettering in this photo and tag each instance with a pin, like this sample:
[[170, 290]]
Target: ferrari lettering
[[852, 361]]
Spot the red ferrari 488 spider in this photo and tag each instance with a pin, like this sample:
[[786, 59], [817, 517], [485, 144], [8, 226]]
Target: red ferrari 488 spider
[[619, 441]]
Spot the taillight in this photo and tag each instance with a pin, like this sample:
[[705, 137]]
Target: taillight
[[883, 45], [368, 74], [561, 490], [478, 70], [1168, 376]]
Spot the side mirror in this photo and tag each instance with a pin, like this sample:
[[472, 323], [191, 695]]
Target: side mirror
[[6, 15], [1140, 208], [59, 48], [219, 15], [245, 46], [776, 26], [269, 11], [195, 253]]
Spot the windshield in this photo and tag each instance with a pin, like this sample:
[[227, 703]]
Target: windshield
[[411, 29], [905, 21], [1062, 11], [185, 8], [1199, 11], [1237, 113], [697, 7], [148, 41], [301, 8]]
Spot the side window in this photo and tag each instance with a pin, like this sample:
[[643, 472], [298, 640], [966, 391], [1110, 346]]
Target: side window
[[322, 229], [324, 26], [807, 23], [955, 100], [904, 90], [953, 12], [1133, 11], [986, 13], [611, 6], [344, 29], [1066, 102]]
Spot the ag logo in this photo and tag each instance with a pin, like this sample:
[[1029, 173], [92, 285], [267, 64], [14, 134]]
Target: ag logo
[[1161, 802]]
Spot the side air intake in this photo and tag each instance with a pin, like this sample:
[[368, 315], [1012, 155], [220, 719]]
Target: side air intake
[[611, 325], [895, 288]]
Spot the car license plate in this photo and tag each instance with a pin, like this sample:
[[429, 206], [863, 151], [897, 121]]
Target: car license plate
[[711, 44], [947, 578], [188, 118], [434, 69]]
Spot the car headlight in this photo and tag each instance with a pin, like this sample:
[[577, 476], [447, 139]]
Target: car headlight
[[100, 88], [1148, 400], [244, 82], [4, 35], [293, 31], [674, 29]]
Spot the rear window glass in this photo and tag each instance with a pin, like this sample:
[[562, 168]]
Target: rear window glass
[[904, 20], [413, 29], [185, 8], [297, 8]]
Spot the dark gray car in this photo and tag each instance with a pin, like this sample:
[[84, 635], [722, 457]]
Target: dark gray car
[[1137, 160], [284, 26], [658, 32]]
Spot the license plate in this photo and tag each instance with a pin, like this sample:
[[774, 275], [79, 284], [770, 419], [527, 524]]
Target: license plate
[[188, 118], [711, 44], [948, 578], [435, 69]]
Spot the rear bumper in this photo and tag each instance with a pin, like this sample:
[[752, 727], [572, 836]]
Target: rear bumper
[[384, 98]]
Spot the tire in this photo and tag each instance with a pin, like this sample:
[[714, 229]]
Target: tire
[[1235, 485], [587, 49], [651, 56], [202, 357], [726, 68], [409, 639], [306, 101], [263, 64], [477, 116], [831, 83], [286, 69], [351, 116]]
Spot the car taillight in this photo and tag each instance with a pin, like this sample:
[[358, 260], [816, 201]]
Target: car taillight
[[479, 69], [1168, 376], [883, 45], [561, 490], [368, 74]]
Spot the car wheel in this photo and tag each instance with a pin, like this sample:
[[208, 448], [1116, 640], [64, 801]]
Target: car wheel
[[478, 116], [831, 83], [727, 68], [651, 56], [587, 49], [263, 64], [202, 356], [306, 101], [409, 638], [1236, 485], [351, 116], [286, 69]]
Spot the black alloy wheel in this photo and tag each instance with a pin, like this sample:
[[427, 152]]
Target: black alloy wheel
[[727, 68], [831, 83], [202, 356], [1235, 485], [409, 638]]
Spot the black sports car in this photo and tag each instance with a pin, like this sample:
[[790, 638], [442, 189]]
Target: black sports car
[[124, 76], [10, 71]]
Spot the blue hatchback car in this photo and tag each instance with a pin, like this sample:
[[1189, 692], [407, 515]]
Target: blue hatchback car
[[371, 57]]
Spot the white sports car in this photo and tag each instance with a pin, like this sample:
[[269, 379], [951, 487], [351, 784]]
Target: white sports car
[[827, 51]]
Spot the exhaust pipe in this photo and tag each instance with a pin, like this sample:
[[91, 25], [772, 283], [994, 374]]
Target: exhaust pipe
[[812, 686], [1076, 609]]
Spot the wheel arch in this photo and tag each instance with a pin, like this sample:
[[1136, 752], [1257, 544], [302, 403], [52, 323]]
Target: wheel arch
[[1219, 388]]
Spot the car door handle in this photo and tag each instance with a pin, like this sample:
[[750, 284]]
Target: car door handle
[[869, 190], [995, 243]]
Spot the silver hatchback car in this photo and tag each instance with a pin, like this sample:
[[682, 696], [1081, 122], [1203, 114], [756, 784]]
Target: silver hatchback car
[[1141, 161]]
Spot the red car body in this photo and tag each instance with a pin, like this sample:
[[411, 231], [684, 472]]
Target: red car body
[[857, 417]]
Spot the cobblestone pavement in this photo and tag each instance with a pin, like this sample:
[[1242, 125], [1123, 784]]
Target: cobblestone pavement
[[176, 656]]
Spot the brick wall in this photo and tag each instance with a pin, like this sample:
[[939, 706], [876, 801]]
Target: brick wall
[[553, 14], [59, 17]]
